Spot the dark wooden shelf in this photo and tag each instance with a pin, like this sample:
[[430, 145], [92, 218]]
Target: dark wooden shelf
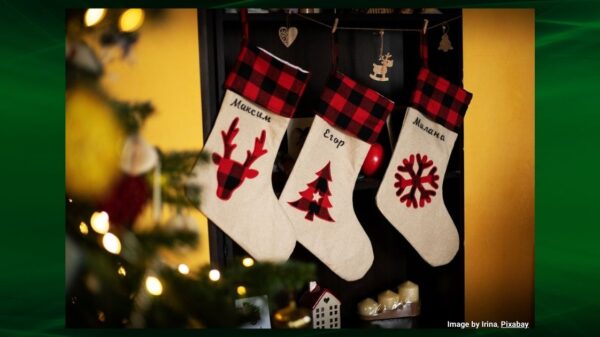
[[395, 260]]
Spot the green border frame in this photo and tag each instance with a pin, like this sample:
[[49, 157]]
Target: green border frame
[[32, 133]]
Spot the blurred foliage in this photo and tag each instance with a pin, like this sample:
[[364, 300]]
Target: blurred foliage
[[109, 290]]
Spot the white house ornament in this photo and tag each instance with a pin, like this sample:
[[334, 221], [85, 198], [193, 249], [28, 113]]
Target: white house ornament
[[445, 44], [325, 307], [288, 35]]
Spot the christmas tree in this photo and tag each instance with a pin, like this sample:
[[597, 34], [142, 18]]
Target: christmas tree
[[117, 273], [315, 198]]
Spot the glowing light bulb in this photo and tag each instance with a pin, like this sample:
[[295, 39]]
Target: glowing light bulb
[[111, 243], [122, 271], [93, 16], [131, 20], [241, 290], [214, 275], [248, 262], [83, 228], [153, 286], [99, 222], [183, 268]]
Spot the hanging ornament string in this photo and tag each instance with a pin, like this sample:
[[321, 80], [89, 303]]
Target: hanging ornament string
[[334, 47], [424, 49], [334, 54], [381, 44], [380, 69], [245, 30], [288, 34], [437, 25]]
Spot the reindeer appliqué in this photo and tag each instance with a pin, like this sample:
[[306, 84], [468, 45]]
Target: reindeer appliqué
[[230, 173], [380, 70]]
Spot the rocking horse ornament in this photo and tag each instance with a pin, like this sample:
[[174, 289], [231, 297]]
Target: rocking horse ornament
[[380, 70]]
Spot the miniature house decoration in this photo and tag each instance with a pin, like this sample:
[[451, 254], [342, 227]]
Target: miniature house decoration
[[325, 307]]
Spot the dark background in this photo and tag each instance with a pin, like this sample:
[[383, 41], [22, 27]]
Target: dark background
[[441, 288]]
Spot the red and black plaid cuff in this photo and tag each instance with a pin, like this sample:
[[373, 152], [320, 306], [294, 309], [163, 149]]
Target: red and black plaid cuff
[[354, 108], [444, 102], [267, 80]]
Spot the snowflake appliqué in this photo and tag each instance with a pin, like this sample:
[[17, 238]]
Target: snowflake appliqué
[[416, 181]]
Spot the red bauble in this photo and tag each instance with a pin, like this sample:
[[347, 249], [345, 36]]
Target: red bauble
[[126, 200], [373, 160]]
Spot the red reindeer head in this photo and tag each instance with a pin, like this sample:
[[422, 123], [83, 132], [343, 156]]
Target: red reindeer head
[[230, 173]]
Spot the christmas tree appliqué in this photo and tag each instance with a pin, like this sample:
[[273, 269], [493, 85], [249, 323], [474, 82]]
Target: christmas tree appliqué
[[416, 180], [315, 198]]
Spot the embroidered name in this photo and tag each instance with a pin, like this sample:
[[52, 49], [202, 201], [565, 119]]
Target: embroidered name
[[429, 130], [335, 140], [253, 112]]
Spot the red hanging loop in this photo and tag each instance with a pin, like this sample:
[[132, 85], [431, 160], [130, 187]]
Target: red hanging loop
[[424, 50], [244, 19]]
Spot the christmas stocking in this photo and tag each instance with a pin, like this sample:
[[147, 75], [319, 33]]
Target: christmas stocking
[[410, 195], [318, 194], [236, 191]]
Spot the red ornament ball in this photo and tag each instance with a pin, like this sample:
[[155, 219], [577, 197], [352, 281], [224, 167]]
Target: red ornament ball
[[373, 160], [126, 200]]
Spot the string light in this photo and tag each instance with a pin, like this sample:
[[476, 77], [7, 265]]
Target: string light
[[83, 228], [214, 275], [183, 268], [111, 243], [154, 286], [99, 222], [131, 20], [241, 290], [122, 271], [93, 16], [248, 262]]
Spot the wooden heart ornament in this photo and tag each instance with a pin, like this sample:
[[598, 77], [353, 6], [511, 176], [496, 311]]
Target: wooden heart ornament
[[288, 35]]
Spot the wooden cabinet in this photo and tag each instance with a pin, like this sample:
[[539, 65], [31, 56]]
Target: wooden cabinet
[[441, 288]]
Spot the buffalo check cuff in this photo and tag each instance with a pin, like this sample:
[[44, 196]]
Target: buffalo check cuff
[[354, 108], [442, 101], [267, 80]]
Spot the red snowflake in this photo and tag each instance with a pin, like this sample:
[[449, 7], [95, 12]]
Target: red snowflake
[[416, 180]]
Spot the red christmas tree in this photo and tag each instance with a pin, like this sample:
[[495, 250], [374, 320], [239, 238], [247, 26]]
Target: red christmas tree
[[315, 198]]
